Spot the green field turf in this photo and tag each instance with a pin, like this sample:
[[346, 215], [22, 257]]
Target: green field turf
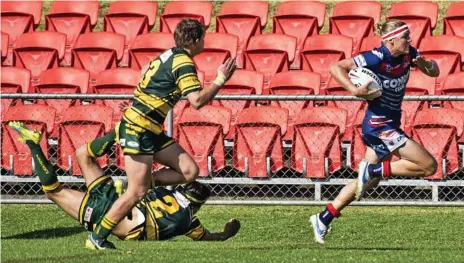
[[43, 233]]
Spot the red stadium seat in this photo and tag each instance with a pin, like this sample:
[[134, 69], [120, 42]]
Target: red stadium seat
[[258, 141], [80, 125], [242, 22], [72, 18], [243, 82], [15, 77], [447, 51], [13, 80], [130, 18], [454, 85], [116, 81], [319, 52], [421, 17], [5, 43], [453, 23], [316, 148], [62, 80], [357, 149], [353, 108], [175, 11], [269, 54], [355, 19], [418, 84], [301, 20], [16, 156], [147, 47], [97, 52], [438, 131], [201, 134], [294, 83], [39, 51], [369, 43], [19, 17], [218, 48]]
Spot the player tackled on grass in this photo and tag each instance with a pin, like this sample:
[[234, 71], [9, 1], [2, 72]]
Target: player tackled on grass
[[160, 215], [166, 79], [381, 131]]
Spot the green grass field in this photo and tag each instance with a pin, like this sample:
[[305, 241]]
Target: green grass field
[[43, 233]]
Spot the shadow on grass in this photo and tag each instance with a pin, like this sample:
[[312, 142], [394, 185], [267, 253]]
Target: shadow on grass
[[48, 233]]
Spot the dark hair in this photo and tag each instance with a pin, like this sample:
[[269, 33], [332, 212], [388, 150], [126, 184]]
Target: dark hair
[[196, 192], [188, 31]]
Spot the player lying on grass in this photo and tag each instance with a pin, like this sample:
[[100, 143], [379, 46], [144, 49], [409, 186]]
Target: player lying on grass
[[161, 215]]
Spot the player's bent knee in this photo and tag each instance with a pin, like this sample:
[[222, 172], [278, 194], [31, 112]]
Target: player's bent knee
[[82, 153], [192, 172], [137, 194], [431, 167]]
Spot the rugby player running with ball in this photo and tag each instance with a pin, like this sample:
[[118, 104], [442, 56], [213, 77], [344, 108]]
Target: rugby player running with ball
[[381, 131]]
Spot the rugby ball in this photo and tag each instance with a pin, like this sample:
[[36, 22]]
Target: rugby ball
[[359, 76]]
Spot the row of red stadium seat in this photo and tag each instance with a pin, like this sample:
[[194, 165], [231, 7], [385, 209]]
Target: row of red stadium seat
[[268, 54], [315, 140], [124, 81], [299, 19]]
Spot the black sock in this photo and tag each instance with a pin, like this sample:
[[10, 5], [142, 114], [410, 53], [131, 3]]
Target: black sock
[[43, 168]]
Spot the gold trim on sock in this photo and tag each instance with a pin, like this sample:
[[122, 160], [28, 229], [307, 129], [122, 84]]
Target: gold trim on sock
[[52, 187], [90, 150]]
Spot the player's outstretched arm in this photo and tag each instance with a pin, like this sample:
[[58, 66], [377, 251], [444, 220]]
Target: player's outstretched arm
[[427, 66], [201, 98], [230, 229]]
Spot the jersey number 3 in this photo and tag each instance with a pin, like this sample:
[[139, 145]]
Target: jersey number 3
[[154, 66]]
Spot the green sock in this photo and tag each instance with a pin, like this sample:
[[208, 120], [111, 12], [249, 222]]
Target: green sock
[[43, 168], [101, 145], [104, 229]]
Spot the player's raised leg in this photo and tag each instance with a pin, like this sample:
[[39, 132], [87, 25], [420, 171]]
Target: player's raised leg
[[67, 199], [182, 166], [87, 154], [415, 161]]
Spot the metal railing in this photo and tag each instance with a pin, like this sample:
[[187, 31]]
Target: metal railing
[[286, 186]]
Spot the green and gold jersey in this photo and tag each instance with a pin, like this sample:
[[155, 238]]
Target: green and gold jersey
[[169, 77], [169, 214]]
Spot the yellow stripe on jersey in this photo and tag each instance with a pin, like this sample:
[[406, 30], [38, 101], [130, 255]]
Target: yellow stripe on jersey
[[196, 233], [153, 102], [189, 82], [180, 61], [151, 226], [133, 116], [134, 234], [184, 76], [191, 88]]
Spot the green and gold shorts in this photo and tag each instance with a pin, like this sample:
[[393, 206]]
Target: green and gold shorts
[[100, 196], [135, 140]]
